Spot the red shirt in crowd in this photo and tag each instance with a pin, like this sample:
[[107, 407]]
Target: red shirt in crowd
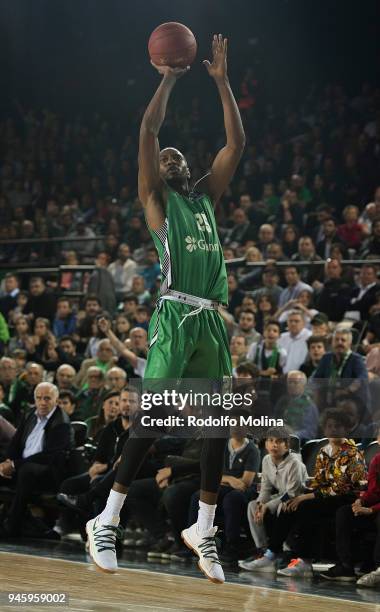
[[371, 497], [351, 234]]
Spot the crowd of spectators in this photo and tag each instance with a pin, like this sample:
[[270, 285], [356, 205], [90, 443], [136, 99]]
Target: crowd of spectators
[[303, 317]]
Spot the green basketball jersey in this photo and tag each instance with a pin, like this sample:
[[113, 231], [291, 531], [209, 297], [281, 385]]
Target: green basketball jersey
[[189, 249]]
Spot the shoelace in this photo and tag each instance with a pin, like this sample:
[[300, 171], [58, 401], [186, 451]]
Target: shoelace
[[191, 314], [105, 537], [208, 548]]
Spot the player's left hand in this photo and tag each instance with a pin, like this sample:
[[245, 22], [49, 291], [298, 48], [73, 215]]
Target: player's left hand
[[217, 69]]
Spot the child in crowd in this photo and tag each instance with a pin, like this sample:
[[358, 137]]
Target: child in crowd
[[283, 471]]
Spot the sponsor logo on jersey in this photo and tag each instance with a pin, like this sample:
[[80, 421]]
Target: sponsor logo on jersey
[[192, 244]]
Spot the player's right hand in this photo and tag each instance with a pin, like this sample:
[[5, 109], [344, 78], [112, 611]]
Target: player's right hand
[[168, 71]]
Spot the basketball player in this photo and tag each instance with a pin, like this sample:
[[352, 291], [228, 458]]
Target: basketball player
[[187, 334]]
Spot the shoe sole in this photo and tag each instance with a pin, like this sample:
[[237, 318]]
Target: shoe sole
[[101, 569], [304, 575], [213, 580], [259, 570], [339, 579]]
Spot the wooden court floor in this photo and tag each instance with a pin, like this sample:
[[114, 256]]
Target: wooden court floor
[[140, 591]]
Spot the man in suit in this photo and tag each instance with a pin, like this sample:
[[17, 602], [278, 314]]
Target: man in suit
[[363, 297], [341, 373], [36, 456]]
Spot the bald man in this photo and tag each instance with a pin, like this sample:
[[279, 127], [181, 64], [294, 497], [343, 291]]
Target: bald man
[[36, 457]]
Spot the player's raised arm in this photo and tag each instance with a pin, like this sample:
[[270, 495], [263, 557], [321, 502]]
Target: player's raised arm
[[150, 184], [227, 159]]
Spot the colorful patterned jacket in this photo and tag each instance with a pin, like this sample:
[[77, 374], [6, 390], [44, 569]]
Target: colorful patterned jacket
[[339, 473]]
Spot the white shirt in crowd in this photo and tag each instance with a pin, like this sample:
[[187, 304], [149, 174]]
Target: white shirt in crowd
[[35, 441], [296, 349]]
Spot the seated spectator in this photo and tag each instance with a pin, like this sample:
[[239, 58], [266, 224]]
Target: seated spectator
[[68, 403], [65, 321], [36, 457], [266, 355], [238, 349], [131, 355], [104, 360], [65, 352], [245, 326], [101, 283], [291, 210], [331, 297], [270, 286], [5, 411], [357, 416], [41, 302], [123, 269], [38, 345], [7, 431], [316, 349], [302, 302], [22, 338], [65, 376], [294, 341], [241, 231], [22, 396], [92, 308], [330, 238], [71, 281], [306, 252], [351, 232], [266, 236], [247, 280], [8, 376], [130, 304], [241, 464], [371, 246], [320, 326], [364, 296], [108, 412], [339, 365], [294, 286], [297, 408], [289, 240], [235, 295], [90, 397], [266, 307], [142, 317], [274, 253], [339, 472], [140, 291], [8, 299], [122, 327], [151, 269], [116, 379], [284, 473], [362, 516]]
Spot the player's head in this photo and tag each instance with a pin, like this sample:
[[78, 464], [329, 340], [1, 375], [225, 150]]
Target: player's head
[[173, 166]]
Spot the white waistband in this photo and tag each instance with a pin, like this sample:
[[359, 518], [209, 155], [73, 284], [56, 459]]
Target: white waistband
[[191, 300]]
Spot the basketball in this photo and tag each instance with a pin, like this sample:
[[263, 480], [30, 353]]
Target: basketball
[[172, 44]]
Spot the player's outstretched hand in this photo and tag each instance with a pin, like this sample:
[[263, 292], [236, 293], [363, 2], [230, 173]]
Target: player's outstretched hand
[[168, 71], [217, 69]]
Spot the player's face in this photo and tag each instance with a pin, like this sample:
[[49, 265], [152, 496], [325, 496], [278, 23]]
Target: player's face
[[173, 165]]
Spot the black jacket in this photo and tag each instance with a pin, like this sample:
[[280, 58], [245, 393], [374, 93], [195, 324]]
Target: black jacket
[[58, 441], [332, 300], [365, 303]]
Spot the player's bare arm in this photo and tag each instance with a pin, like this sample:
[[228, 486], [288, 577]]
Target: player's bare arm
[[227, 159], [151, 187]]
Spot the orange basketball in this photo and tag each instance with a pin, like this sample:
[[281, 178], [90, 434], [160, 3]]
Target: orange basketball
[[172, 44]]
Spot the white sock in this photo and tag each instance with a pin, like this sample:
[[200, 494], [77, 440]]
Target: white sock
[[111, 513], [269, 555], [206, 515]]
